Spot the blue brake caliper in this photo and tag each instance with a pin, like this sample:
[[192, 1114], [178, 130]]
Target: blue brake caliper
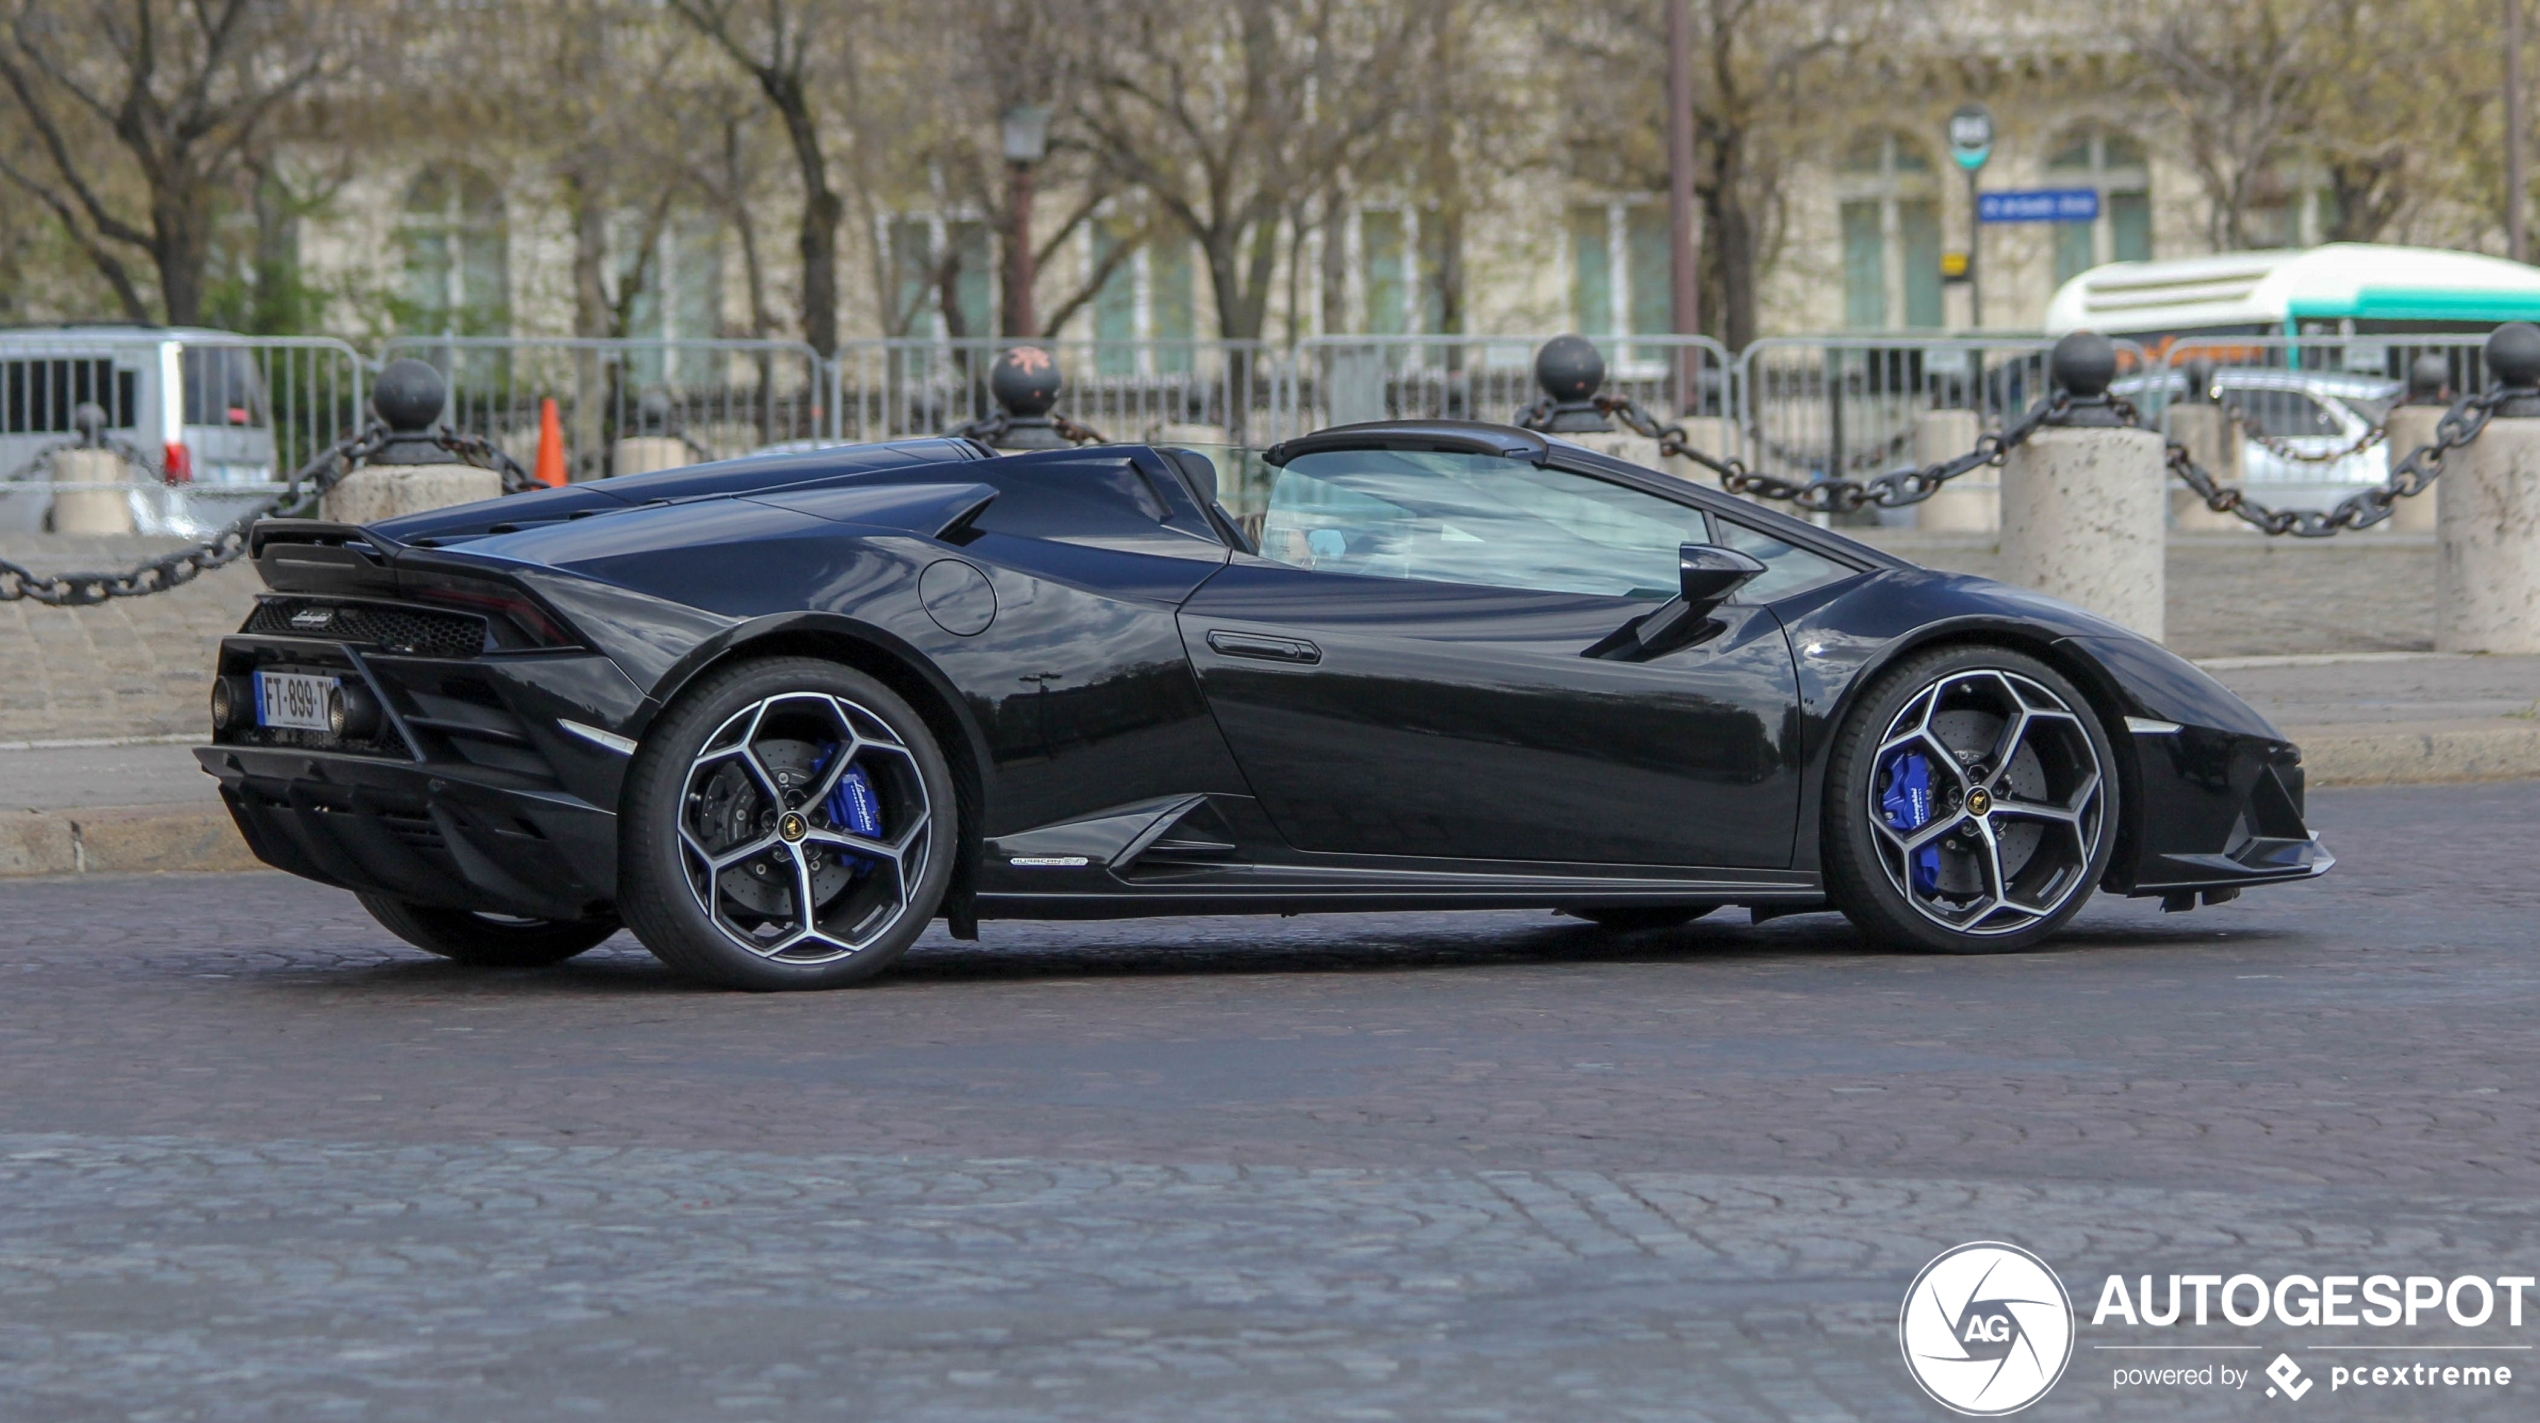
[[1907, 805], [853, 807]]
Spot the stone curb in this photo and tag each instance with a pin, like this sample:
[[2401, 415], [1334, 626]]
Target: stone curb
[[133, 839], [2419, 753], [143, 839]]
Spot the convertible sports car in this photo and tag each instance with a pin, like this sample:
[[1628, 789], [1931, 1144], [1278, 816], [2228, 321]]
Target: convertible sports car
[[777, 714]]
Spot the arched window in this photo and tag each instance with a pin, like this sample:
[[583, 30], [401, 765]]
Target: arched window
[[2092, 156], [1889, 200], [458, 254]]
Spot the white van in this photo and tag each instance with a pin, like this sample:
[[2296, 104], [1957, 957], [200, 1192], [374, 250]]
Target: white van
[[190, 403]]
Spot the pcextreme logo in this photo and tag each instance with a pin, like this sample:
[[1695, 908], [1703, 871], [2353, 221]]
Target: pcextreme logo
[[1987, 1329]]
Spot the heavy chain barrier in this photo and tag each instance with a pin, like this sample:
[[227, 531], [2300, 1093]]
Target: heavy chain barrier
[[306, 485], [1893, 490], [2282, 447], [988, 430], [2409, 477]]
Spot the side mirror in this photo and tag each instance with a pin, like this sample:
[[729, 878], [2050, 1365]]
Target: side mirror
[[1707, 574]]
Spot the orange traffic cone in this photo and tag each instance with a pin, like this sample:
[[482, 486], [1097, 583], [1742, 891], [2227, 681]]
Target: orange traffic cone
[[550, 469]]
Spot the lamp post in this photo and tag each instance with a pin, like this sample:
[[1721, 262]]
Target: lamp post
[[1027, 137]]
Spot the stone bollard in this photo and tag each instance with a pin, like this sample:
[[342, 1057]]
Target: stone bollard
[[2411, 426], [657, 446], [2212, 433], [91, 511], [643, 454], [2487, 576], [413, 473], [1964, 505], [2082, 511]]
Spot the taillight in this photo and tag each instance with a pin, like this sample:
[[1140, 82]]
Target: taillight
[[518, 619], [238, 415], [179, 463]]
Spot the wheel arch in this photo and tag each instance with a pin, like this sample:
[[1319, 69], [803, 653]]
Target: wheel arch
[[2096, 685], [908, 673]]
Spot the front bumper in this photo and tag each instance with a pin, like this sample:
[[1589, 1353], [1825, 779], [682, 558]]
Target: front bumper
[[2219, 810], [473, 839]]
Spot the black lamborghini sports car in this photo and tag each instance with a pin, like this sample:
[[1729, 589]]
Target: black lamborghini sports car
[[777, 714]]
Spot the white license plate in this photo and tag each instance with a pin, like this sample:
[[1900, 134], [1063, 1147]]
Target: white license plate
[[292, 699]]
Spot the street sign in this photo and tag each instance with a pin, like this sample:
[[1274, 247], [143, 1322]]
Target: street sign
[[2039, 205], [1971, 136]]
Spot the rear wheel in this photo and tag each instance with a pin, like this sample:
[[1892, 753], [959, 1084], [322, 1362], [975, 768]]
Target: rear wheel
[[1631, 918], [1971, 803], [486, 940], [788, 823]]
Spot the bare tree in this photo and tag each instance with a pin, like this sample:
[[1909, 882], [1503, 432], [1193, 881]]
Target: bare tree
[[1770, 77], [1224, 114], [775, 42], [172, 94]]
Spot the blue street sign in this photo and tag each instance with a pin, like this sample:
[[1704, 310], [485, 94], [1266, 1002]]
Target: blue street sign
[[2039, 205]]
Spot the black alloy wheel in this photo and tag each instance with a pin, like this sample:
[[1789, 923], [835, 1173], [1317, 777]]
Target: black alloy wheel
[[787, 824], [1971, 803]]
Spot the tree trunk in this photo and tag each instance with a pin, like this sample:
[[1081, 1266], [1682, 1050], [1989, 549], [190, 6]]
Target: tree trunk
[[1731, 250]]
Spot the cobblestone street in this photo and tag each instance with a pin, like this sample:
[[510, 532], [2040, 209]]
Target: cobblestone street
[[261, 1163]]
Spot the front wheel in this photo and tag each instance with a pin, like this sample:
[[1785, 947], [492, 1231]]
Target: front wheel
[[788, 823], [486, 940], [1971, 803]]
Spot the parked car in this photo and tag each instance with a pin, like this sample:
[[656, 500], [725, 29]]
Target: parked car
[[2310, 436], [777, 714], [195, 410]]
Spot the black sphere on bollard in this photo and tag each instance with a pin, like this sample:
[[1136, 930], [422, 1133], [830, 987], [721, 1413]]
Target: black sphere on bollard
[[409, 395], [2082, 366], [1025, 382], [652, 412], [1571, 371], [2429, 379], [408, 400], [2513, 354], [2200, 382]]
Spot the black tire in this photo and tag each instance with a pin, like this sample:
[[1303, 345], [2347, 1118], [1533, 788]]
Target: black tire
[[1632, 918], [487, 940], [753, 764], [2037, 841]]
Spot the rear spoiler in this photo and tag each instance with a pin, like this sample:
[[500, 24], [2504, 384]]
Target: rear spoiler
[[316, 556]]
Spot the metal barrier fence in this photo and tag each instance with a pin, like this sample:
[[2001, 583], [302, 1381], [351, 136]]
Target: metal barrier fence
[[1200, 392], [205, 423], [1818, 407], [718, 398], [1342, 380]]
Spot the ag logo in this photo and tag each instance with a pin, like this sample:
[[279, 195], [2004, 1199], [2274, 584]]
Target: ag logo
[[1986, 1329]]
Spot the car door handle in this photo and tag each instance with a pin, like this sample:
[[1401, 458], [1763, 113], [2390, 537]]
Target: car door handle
[[1294, 650]]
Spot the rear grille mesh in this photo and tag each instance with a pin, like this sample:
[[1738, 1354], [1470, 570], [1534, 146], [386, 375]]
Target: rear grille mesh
[[387, 627]]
